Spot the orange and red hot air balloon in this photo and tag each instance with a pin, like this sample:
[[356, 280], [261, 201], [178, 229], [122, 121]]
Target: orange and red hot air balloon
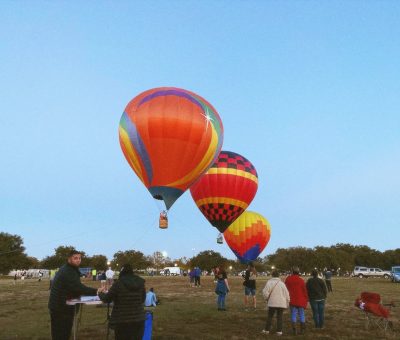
[[248, 236], [170, 137], [226, 189]]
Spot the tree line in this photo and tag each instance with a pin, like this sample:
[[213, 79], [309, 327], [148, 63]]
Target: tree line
[[340, 257]]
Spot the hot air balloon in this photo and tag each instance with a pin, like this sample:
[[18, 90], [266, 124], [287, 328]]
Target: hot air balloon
[[226, 189], [170, 137], [248, 236]]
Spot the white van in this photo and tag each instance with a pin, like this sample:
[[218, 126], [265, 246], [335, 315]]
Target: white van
[[173, 271]]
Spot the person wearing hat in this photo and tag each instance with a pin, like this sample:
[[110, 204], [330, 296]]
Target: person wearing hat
[[128, 314]]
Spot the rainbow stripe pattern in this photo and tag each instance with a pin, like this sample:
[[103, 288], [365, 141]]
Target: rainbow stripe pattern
[[170, 137]]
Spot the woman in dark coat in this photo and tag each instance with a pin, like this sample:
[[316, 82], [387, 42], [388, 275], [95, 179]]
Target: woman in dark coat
[[128, 295], [317, 291]]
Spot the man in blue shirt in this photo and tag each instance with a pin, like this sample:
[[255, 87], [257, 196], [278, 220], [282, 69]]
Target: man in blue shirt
[[151, 299]]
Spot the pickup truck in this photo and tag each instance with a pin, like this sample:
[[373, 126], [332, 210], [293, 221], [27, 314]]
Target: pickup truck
[[396, 274], [371, 272]]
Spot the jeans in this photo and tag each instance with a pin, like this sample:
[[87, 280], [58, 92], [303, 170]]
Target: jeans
[[271, 312], [300, 310], [317, 307], [221, 301]]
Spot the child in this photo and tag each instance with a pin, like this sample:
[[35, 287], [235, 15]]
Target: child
[[221, 289]]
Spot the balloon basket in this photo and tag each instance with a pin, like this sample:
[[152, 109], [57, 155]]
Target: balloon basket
[[220, 239], [163, 224], [163, 221]]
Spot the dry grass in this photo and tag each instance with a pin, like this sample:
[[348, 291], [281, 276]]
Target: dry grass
[[191, 313]]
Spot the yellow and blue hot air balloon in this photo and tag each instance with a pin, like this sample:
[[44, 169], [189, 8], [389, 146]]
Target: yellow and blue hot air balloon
[[248, 236]]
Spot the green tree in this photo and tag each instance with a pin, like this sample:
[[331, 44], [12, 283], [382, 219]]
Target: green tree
[[135, 258], [208, 259], [98, 262], [285, 259], [60, 258], [365, 256], [12, 254]]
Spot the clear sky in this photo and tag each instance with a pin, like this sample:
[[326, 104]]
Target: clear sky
[[308, 91]]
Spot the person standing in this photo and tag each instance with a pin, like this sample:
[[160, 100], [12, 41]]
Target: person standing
[[221, 289], [109, 277], [298, 299], [317, 292], [328, 279], [277, 297], [250, 285], [191, 277], [128, 315], [66, 285], [197, 274], [94, 274]]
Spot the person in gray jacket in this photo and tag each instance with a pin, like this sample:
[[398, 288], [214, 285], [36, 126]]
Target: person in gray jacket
[[66, 285], [128, 315]]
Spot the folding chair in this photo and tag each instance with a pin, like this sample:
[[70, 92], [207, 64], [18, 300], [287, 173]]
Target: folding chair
[[376, 314]]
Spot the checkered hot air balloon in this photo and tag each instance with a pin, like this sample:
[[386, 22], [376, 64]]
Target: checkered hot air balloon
[[170, 137], [248, 236], [226, 189]]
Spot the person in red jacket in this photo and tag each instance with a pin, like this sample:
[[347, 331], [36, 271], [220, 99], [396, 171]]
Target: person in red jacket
[[298, 299]]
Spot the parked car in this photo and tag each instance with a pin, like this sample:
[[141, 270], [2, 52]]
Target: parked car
[[371, 272], [396, 274]]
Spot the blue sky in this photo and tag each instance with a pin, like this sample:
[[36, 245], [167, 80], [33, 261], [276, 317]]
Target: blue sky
[[308, 91]]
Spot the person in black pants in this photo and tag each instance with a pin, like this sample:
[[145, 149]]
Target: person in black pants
[[277, 297], [128, 315], [66, 285], [328, 279]]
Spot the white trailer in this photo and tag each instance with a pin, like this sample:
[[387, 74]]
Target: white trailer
[[173, 271]]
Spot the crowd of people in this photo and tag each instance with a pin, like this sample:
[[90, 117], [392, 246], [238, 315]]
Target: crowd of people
[[129, 297], [293, 293]]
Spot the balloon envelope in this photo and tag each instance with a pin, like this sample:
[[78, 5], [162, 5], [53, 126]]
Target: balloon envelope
[[170, 137], [226, 189], [248, 236]]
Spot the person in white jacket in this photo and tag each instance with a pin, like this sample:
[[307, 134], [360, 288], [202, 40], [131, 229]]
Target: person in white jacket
[[277, 298]]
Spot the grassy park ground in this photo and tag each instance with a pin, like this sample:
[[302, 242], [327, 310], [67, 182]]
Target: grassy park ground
[[190, 313]]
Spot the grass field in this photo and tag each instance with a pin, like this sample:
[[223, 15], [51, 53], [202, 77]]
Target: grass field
[[191, 313]]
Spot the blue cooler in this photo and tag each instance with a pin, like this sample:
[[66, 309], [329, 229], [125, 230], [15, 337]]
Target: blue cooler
[[148, 325]]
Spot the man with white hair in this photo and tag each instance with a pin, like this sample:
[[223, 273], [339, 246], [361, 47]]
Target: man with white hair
[[109, 277]]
